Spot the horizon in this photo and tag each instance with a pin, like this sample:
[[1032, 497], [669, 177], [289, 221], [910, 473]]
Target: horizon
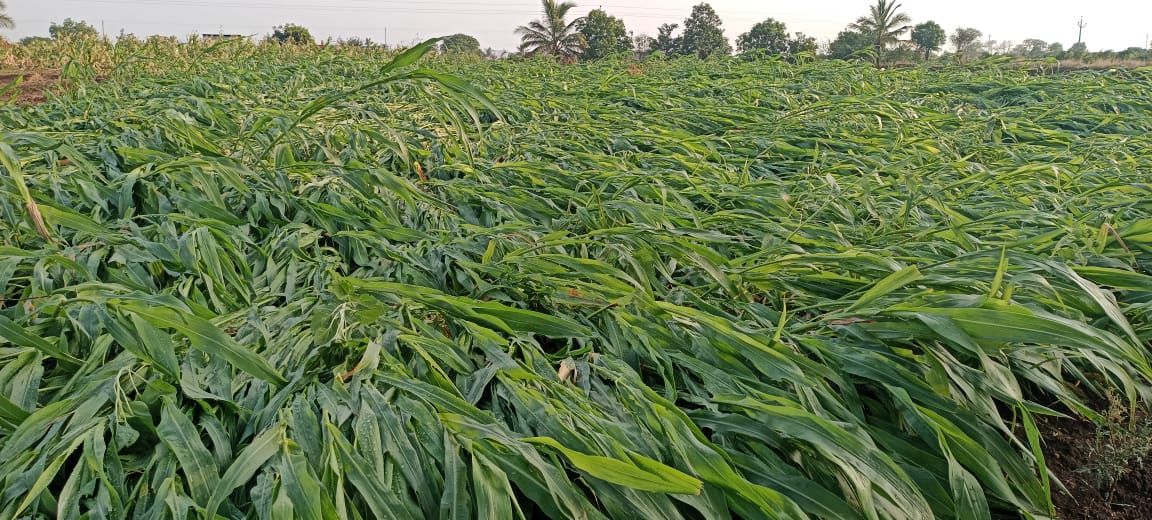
[[1110, 24]]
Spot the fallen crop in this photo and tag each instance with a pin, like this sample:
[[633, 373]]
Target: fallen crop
[[330, 287]]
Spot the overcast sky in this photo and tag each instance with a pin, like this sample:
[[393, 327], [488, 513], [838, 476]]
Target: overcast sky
[[1112, 24]]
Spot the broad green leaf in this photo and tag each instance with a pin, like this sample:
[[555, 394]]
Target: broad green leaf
[[182, 437], [16, 334], [494, 495], [383, 502], [44, 479], [305, 499], [882, 288], [456, 501], [33, 428], [650, 476], [11, 414], [489, 314], [245, 466], [207, 338]]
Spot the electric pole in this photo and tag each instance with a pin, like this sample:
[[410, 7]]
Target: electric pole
[[1081, 25]]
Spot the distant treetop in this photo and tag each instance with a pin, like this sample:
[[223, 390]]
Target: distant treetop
[[72, 29], [292, 33], [552, 35], [604, 34], [6, 21], [460, 44]]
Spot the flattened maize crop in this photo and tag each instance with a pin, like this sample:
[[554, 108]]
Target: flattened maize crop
[[325, 285]]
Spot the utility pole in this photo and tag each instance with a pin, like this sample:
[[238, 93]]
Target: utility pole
[[103, 33], [1081, 25]]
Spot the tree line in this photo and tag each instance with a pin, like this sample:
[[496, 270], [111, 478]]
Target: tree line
[[885, 35]]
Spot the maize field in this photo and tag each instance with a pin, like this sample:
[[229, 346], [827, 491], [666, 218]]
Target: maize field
[[256, 284]]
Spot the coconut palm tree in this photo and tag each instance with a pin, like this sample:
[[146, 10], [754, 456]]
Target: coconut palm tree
[[6, 21], [883, 24], [551, 35]]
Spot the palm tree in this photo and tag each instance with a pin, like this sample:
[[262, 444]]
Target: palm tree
[[6, 21], [551, 36], [884, 25]]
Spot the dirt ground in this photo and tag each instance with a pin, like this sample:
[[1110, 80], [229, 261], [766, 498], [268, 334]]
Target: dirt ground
[[1072, 447], [34, 87]]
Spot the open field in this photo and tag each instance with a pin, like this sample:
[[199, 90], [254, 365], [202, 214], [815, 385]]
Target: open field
[[241, 285], [28, 87]]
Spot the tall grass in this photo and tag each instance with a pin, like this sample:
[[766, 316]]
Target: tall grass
[[271, 288]]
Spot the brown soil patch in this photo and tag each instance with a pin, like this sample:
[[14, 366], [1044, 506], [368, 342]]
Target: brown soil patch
[[1073, 448], [34, 87]]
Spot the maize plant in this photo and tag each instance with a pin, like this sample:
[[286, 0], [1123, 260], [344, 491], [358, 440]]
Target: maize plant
[[325, 285]]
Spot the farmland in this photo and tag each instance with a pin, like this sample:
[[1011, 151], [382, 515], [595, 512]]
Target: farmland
[[256, 283]]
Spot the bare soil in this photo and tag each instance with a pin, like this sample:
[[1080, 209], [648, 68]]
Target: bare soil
[[34, 87], [1069, 448]]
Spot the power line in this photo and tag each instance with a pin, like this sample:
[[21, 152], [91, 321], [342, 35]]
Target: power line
[[406, 6], [636, 12]]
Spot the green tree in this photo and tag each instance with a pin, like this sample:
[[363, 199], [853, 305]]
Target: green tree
[[1031, 48], [292, 33], [605, 35], [929, 37], [552, 35], [460, 44], [768, 37], [883, 26], [665, 42], [72, 29], [849, 44], [32, 40], [1078, 50], [966, 40], [355, 41], [703, 36], [1135, 53], [1055, 50], [6, 22], [802, 43]]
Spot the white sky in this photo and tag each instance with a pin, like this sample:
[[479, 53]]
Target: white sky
[[1112, 24]]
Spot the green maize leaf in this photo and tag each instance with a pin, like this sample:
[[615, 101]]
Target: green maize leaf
[[45, 477], [1019, 325], [33, 428], [245, 466], [18, 335], [248, 279], [182, 437], [489, 314], [208, 338], [826, 437], [384, 503], [11, 414], [494, 495], [457, 502], [882, 288], [301, 487], [644, 473]]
